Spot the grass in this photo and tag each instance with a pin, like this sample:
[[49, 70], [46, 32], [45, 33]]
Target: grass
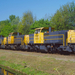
[[37, 65], [19, 67]]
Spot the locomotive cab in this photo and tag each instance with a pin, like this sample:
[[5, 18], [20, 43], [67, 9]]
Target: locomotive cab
[[15, 39], [12, 36], [10, 39], [40, 30], [39, 34]]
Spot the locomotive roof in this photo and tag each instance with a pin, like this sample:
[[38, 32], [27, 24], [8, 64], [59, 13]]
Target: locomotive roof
[[43, 28], [15, 33]]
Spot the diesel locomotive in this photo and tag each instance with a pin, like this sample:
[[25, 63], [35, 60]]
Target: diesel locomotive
[[43, 39]]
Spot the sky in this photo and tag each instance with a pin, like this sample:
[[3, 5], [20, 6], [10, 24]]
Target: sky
[[39, 8]]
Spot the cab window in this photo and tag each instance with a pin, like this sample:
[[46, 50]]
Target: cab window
[[14, 35], [37, 31], [45, 30], [9, 35]]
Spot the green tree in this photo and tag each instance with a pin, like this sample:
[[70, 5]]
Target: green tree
[[64, 18], [40, 23], [3, 23], [26, 21], [8, 26], [11, 17], [15, 21], [6, 30], [15, 28]]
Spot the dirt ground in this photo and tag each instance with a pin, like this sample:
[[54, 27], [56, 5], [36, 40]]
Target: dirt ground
[[55, 64], [70, 57]]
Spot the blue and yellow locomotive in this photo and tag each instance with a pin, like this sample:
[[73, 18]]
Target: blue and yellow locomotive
[[43, 39], [58, 41]]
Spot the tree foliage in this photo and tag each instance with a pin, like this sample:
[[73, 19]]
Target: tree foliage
[[26, 21], [6, 30], [11, 17], [3, 23], [8, 26], [40, 23], [15, 21], [64, 18]]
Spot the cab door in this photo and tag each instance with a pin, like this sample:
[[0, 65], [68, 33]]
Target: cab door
[[39, 38], [11, 40], [5, 41], [26, 39], [71, 36]]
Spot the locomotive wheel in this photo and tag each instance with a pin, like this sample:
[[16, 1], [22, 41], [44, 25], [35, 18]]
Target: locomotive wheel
[[52, 50], [61, 51]]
